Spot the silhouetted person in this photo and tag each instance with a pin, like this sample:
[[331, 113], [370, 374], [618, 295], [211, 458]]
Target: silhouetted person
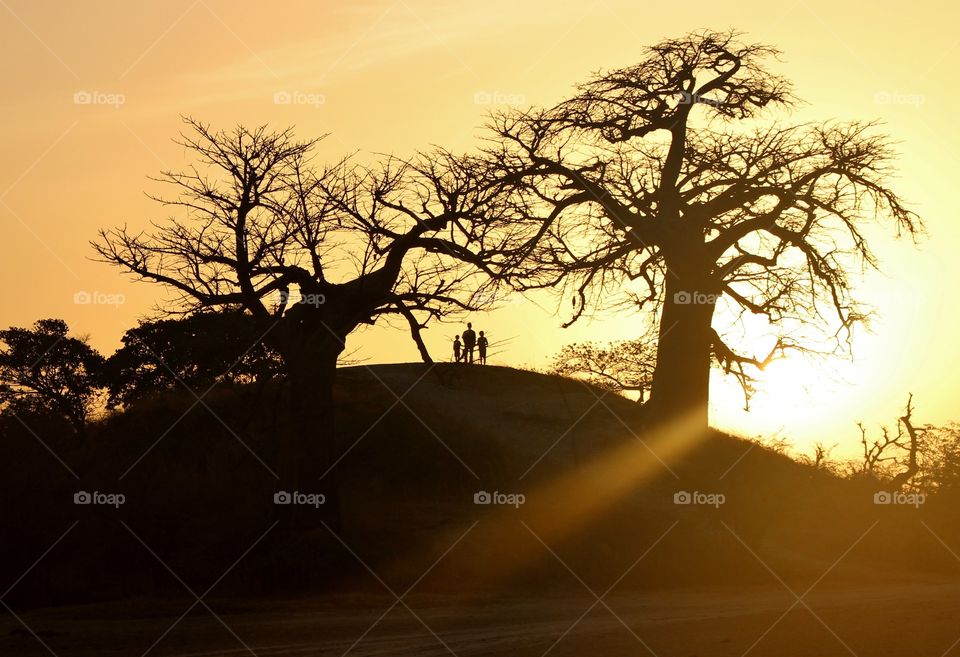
[[469, 342], [482, 347], [456, 349]]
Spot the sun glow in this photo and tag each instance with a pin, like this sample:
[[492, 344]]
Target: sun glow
[[795, 397], [557, 509]]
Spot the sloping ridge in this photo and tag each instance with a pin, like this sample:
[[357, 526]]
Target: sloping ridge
[[419, 447]]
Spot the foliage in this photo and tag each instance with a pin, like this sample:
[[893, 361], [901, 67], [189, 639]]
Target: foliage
[[44, 370], [623, 366], [196, 351]]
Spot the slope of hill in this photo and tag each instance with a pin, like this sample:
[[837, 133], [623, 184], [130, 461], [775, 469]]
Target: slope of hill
[[572, 488]]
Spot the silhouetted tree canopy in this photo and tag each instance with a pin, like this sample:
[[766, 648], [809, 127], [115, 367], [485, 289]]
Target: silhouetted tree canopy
[[44, 370], [196, 351], [312, 253], [940, 459], [622, 366], [258, 218], [910, 455]]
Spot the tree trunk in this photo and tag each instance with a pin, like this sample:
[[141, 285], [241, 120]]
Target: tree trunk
[[309, 448], [681, 380]]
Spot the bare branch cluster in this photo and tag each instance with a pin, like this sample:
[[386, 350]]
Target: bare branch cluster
[[651, 175], [256, 224]]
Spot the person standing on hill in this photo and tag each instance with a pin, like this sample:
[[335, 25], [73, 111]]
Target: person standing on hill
[[482, 348], [456, 349], [469, 342]]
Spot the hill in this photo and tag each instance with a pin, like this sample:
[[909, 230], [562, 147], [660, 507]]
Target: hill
[[575, 492]]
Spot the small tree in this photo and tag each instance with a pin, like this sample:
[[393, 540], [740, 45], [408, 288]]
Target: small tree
[[822, 458], [197, 351], [894, 458], [43, 370], [624, 366], [940, 459]]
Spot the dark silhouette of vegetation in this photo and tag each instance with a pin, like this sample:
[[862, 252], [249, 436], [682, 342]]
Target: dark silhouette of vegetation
[[670, 186], [622, 366], [44, 370], [910, 456], [663, 187], [893, 457], [313, 253], [939, 469], [198, 351], [199, 496]]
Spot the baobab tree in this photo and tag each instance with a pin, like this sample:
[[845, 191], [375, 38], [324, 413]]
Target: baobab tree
[[312, 253], [672, 186]]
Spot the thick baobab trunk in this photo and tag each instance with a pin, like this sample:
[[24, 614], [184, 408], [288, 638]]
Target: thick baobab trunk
[[681, 380], [309, 447]]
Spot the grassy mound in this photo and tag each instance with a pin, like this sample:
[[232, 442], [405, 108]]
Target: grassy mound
[[576, 492]]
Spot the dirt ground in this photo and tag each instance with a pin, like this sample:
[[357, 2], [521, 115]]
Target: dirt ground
[[915, 619]]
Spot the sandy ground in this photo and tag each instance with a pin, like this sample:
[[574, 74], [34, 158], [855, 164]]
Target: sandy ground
[[906, 619]]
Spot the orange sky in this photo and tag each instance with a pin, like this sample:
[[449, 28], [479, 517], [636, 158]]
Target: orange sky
[[93, 94]]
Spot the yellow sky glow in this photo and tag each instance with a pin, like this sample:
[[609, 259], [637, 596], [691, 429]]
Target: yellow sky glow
[[93, 94]]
